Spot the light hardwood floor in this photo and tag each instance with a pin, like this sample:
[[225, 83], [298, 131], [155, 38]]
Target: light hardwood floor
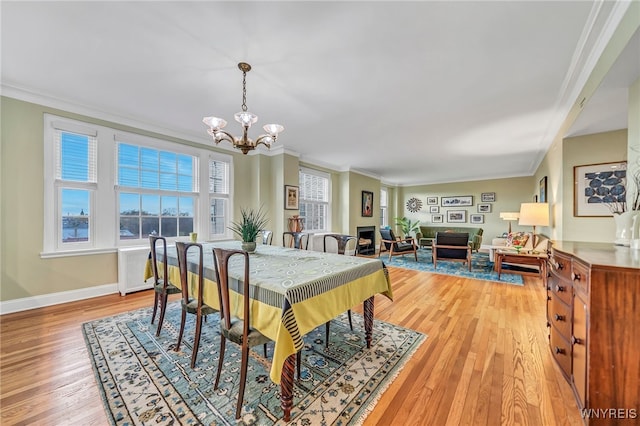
[[486, 360]]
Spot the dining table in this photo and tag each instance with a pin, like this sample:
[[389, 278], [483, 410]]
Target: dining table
[[292, 292]]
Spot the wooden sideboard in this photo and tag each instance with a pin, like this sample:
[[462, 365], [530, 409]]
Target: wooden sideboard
[[593, 315]]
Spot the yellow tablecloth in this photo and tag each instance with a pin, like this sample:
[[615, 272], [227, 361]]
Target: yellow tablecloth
[[292, 291]]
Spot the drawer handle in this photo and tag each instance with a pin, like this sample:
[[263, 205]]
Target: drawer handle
[[559, 350], [575, 277], [559, 288], [548, 297], [558, 317], [576, 341]]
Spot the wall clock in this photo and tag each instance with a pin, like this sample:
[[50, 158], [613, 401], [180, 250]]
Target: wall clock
[[414, 205]]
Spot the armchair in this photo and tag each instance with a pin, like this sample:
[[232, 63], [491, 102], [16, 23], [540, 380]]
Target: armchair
[[396, 246], [452, 246]]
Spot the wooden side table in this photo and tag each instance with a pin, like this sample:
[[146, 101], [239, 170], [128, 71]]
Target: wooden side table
[[523, 259]]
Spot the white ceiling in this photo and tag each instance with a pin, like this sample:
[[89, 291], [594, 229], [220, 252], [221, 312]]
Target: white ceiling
[[411, 92]]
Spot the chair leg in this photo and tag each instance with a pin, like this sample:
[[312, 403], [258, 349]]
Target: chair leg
[[298, 362], [182, 321], [163, 309], [326, 333], [220, 360], [196, 340], [243, 379], [265, 350], [350, 323], [155, 306]]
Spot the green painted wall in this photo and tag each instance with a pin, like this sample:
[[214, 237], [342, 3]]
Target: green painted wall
[[509, 194]]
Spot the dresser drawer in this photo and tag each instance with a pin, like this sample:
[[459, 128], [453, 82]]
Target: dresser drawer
[[560, 265], [561, 351], [580, 277], [560, 317], [560, 287]]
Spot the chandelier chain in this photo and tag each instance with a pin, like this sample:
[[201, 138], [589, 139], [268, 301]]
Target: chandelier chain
[[244, 91]]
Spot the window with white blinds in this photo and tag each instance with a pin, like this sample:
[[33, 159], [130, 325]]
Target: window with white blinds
[[75, 185], [384, 219], [106, 188], [156, 191], [314, 199], [218, 198]]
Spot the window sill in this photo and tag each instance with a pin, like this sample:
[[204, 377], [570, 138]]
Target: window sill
[[72, 253]]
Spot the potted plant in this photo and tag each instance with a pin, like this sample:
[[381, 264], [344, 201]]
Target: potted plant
[[407, 226], [248, 228]]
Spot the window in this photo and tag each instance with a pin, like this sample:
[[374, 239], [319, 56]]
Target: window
[[105, 189], [75, 182], [218, 197], [314, 199], [156, 192], [384, 218]]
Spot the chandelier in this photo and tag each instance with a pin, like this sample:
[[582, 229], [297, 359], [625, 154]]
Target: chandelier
[[246, 119]]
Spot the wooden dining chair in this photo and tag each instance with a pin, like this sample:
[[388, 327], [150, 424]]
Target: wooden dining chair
[[162, 286], [342, 242], [237, 330], [266, 236], [299, 240], [192, 301]]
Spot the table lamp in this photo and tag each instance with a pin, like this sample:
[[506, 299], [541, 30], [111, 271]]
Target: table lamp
[[534, 214], [509, 216]]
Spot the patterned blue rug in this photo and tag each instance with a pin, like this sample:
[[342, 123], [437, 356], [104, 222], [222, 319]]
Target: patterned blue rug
[[481, 267], [144, 381]]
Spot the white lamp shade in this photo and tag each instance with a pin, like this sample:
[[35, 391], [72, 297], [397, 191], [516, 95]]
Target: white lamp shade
[[534, 214], [273, 129], [214, 122], [245, 118]]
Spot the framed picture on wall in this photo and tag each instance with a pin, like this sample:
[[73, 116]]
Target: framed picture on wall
[[543, 190], [484, 208], [436, 218], [465, 200], [456, 216], [291, 197], [476, 218], [434, 209], [599, 188], [488, 197], [432, 200], [367, 204]]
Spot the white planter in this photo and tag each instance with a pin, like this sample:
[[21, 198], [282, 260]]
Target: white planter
[[624, 227]]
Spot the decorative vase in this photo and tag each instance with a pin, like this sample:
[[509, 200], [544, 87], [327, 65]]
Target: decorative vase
[[249, 246], [296, 223], [624, 227]]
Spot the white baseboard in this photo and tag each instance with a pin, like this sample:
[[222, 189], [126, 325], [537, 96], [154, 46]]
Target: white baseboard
[[33, 302]]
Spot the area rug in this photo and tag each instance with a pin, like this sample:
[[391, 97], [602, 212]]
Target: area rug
[[143, 380], [481, 267]]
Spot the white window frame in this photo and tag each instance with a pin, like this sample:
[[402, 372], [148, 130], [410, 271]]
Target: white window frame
[[384, 206], [104, 208], [327, 203]]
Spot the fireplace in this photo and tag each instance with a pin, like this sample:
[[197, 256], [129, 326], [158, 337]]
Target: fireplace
[[366, 239]]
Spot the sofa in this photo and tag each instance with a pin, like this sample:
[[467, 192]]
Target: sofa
[[542, 243], [427, 235]]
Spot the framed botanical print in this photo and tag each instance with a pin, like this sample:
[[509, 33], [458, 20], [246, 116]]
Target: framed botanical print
[[599, 188]]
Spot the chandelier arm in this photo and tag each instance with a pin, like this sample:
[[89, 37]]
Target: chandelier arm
[[261, 139], [222, 135]]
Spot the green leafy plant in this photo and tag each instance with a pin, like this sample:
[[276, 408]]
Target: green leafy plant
[[252, 222], [407, 225]]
